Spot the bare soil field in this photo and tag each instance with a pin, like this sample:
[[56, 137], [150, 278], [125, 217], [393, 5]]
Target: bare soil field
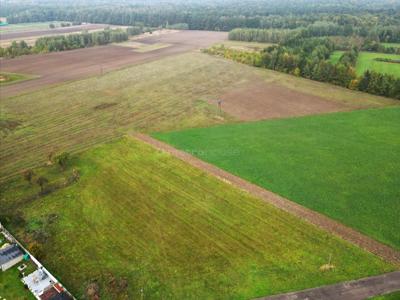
[[64, 66], [268, 100]]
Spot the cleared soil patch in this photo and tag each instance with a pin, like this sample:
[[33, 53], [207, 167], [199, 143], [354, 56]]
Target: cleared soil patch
[[263, 100], [76, 64]]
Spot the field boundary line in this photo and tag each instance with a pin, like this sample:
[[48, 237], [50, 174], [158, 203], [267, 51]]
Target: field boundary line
[[334, 227], [350, 290]]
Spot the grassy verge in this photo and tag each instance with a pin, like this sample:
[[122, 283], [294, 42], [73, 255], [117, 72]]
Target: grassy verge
[[157, 228], [344, 165], [391, 296]]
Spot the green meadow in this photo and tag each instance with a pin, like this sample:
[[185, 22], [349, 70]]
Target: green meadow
[[366, 61], [394, 45], [335, 56], [143, 224], [344, 165]]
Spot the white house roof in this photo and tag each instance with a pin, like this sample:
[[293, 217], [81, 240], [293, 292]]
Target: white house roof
[[38, 282]]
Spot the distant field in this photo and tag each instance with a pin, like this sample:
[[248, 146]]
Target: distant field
[[168, 230], [21, 27], [142, 47], [344, 165], [394, 45], [366, 61], [334, 58], [11, 78], [30, 32], [245, 45]]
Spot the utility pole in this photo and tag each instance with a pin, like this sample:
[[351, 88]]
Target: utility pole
[[220, 106]]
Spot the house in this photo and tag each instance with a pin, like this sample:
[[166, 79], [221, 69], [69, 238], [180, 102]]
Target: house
[[3, 21], [38, 282], [10, 256]]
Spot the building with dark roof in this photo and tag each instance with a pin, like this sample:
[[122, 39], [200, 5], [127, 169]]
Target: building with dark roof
[[10, 256]]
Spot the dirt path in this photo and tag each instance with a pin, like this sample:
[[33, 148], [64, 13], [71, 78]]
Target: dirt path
[[311, 216], [350, 290]]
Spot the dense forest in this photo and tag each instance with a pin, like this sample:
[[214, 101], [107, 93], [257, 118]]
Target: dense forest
[[212, 15]]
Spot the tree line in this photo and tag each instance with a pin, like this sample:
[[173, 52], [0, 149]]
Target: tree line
[[308, 58], [69, 42], [214, 15], [387, 34]]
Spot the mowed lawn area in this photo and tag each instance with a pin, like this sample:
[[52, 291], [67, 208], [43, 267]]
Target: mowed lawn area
[[366, 61], [143, 224], [344, 165], [11, 286]]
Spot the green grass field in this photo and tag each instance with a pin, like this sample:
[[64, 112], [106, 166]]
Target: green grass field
[[344, 165], [20, 27], [167, 94], [366, 61], [140, 216], [394, 45], [336, 55], [11, 78]]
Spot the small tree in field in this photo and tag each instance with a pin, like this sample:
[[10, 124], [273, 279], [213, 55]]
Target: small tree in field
[[28, 175], [62, 160], [42, 181]]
